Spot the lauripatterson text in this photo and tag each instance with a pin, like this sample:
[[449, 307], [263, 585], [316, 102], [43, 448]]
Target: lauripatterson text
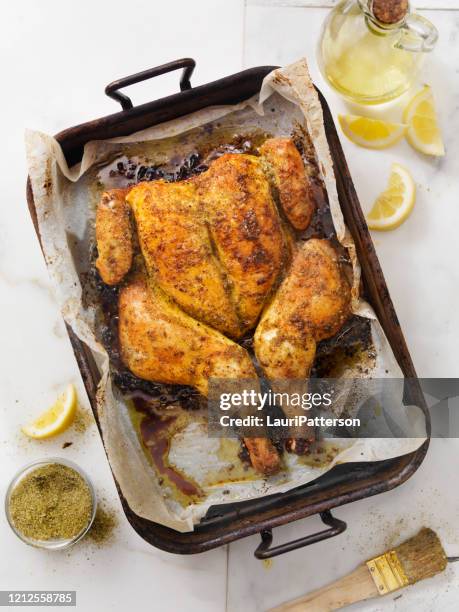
[[296, 421]]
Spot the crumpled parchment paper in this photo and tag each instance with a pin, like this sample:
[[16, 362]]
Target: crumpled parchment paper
[[66, 216]]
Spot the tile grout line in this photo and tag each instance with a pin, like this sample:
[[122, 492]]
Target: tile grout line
[[227, 576], [243, 32], [324, 5], [244, 21]]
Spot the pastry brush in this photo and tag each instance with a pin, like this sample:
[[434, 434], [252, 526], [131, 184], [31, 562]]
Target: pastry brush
[[420, 557]]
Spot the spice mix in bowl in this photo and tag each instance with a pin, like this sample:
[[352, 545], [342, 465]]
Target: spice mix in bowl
[[50, 504]]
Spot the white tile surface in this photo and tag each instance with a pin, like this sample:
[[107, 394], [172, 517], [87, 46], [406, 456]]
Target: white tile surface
[[374, 525], [56, 59], [420, 4], [416, 258], [419, 262]]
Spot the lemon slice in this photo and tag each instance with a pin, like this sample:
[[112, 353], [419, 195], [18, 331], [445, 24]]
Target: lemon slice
[[56, 419], [395, 204], [371, 133], [423, 131]]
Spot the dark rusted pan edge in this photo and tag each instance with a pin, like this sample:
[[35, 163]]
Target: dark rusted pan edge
[[333, 489], [372, 273], [394, 473], [228, 90]]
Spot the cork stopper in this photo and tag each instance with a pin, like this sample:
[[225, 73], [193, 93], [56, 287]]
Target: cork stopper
[[390, 11]]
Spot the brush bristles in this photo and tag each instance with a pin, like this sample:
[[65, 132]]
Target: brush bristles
[[422, 556]]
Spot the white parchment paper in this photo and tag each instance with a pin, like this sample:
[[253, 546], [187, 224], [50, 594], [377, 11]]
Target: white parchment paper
[[66, 210]]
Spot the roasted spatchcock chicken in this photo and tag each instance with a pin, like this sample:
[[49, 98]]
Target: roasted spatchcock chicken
[[218, 259]]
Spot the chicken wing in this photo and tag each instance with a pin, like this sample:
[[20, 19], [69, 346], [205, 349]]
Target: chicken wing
[[161, 343], [114, 236], [294, 188]]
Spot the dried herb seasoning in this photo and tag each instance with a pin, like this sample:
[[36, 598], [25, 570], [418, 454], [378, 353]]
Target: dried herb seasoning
[[51, 502], [103, 526]]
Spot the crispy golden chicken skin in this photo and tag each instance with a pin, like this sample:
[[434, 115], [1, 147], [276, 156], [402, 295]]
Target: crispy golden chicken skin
[[312, 304], [214, 243], [295, 192], [246, 230], [213, 247], [161, 343], [177, 250], [114, 236]]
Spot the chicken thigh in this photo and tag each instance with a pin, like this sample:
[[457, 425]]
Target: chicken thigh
[[160, 342], [312, 304]]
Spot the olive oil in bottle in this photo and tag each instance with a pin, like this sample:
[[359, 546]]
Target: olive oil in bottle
[[371, 51]]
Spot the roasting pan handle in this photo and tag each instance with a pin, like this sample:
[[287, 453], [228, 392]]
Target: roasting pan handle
[[265, 551], [112, 89]]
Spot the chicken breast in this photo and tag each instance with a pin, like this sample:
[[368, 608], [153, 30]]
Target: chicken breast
[[246, 230], [177, 250]]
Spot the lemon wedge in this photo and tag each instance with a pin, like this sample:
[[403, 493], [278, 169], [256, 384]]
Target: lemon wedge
[[423, 131], [395, 204], [371, 133], [56, 419]]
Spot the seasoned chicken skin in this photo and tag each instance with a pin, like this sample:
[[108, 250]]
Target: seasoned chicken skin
[[214, 243], [114, 236], [246, 230], [178, 254], [295, 190], [233, 200], [160, 342], [312, 304], [213, 247]]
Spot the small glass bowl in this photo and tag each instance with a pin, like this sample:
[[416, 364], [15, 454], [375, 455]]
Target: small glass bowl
[[54, 544]]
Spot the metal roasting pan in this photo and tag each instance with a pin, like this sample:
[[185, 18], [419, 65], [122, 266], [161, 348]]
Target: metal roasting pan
[[342, 484]]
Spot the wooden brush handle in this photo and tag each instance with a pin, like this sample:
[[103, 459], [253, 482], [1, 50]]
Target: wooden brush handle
[[356, 586]]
